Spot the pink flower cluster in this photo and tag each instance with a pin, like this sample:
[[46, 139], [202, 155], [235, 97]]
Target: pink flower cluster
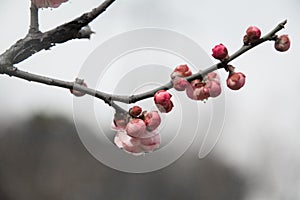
[[196, 89], [48, 3], [202, 90], [137, 131]]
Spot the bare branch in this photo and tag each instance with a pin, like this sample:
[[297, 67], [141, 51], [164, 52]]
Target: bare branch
[[13, 71], [32, 44]]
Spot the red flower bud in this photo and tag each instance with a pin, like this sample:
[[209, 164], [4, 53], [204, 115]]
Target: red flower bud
[[282, 43], [220, 52], [162, 97], [235, 81], [253, 33], [135, 111], [48, 3]]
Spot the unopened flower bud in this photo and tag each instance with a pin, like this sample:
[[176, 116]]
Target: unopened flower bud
[[235, 81], [282, 43], [162, 97], [220, 52], [253, 33], [182, 71], [135, 111]]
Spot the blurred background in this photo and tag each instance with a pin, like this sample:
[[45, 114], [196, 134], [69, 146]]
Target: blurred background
[[257, 155]]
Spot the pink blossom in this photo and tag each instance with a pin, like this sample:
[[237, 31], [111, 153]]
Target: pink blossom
[[48, 3], [135, 127], [201, 90], [212, 76], [179, 83], [151, 143], [128, 143], [220, 52], [137, 146], [152, 120], [235, 81], [214, 88], [282, 43]]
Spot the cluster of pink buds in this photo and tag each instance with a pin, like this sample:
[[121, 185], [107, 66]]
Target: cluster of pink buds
[[197, 89], [202, 90], [137, 131], [48, 3]]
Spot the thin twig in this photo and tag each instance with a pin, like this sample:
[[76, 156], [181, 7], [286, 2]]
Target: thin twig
[[34, 19]]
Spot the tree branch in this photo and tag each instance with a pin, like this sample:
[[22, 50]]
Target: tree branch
[[13, 71], [110, 98], [32, 44]]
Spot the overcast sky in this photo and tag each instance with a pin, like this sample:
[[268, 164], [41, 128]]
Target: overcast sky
[[261, 132]]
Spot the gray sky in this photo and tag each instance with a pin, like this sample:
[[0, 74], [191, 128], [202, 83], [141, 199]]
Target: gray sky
[[261, 133]]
